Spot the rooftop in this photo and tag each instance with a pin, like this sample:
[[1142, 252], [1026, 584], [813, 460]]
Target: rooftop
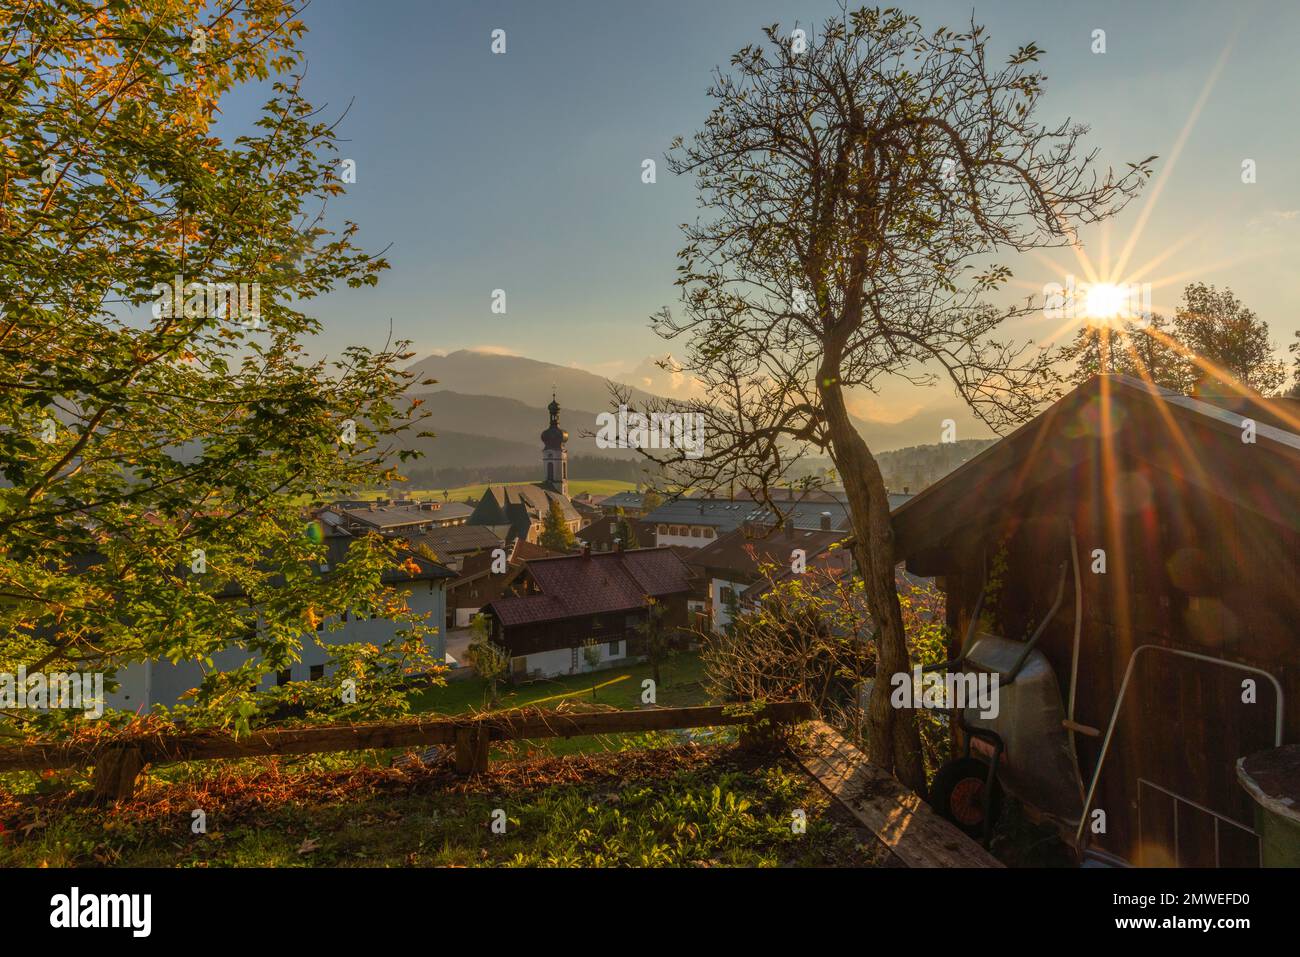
[[578, 585]]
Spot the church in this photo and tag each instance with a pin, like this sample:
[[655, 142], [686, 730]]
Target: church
[[519, 511]]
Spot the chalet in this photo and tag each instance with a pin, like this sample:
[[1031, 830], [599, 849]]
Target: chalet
[[562, 603], [734, 562], [1131, 560], [480, 581], [603, 534]]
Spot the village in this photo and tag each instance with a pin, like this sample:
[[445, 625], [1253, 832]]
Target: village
[[727, 441]]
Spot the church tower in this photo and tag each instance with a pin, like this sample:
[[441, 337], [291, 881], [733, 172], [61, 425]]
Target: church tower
[[555, 456]]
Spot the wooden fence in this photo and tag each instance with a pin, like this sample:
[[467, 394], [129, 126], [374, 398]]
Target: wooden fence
[[118, 763]]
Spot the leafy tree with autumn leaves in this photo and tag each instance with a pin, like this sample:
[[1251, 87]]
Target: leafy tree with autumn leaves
[[156, 451]]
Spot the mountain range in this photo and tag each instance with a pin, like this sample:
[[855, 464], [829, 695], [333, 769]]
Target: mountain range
[[489, 409]]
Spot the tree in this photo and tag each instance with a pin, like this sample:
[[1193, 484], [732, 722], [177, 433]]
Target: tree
[[1143, 352], [1229, 344], [650, 499], [556, 534], [160, 425], [1295, 387], [591, 655], [654, 636], [489, 659], [623, 531], [857, 184]]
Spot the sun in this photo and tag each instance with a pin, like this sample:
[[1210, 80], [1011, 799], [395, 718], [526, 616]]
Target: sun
[[1106, 303]]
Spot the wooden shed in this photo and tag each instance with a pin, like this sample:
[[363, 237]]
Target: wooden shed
[[1175, 526]]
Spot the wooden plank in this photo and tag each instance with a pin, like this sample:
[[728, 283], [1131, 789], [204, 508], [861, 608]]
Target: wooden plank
[[160, 749], [897, 816]]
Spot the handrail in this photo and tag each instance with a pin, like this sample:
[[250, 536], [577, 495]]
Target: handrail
[[1119, 701]]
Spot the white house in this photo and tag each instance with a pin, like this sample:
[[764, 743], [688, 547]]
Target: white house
[[142, 685]]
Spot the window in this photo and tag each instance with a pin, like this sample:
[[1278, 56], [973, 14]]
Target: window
[[317, 672], [708, 533], [613, 649], [695, 531], [662, 530], [573, 659], [284, 677]]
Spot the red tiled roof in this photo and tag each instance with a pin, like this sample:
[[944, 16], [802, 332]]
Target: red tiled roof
[[527, 608], [577, 585], [745, 549]]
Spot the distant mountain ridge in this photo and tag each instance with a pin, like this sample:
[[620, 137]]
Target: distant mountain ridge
[[489, 409]]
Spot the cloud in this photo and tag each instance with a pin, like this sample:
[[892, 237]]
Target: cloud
[[494, 350], [647, 375]]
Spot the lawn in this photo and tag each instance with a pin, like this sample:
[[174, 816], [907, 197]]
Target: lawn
[[681, 686], [576, 487], [677, 806]]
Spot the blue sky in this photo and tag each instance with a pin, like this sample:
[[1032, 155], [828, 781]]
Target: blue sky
[[522, 171]]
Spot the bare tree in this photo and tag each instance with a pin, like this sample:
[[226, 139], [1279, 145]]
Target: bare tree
[[857, 184]]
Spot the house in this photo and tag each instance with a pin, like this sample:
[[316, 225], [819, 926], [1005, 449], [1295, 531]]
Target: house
[[733, 563], [696, 522], [1150, 543], [386, 517], [562, 603], [483, 579], [602, 535], [453, 544], [146, 684], [629, 503]]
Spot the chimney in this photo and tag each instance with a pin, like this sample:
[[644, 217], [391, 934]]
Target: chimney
[[826, 521], [907, 490]]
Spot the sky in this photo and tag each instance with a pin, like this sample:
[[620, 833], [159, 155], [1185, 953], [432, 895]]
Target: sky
[[522, 171]]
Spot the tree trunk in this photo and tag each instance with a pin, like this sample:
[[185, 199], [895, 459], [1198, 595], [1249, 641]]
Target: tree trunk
[[893, 741]]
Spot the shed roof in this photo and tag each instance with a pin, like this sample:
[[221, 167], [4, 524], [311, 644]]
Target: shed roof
[[1128, 422]]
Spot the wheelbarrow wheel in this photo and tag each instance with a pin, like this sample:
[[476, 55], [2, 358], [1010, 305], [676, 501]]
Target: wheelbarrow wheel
[[958, 794]]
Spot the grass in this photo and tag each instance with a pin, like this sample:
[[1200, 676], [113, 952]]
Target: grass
[[681, 686], [679, 806], [459, 494]]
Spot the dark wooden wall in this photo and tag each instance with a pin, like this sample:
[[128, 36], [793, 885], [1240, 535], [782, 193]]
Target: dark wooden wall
[[1186, 570]]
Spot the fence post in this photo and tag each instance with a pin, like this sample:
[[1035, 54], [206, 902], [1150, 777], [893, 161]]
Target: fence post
[[471, 750], [115, 774]]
